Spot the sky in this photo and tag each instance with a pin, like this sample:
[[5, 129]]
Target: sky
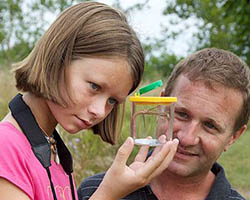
[[148, 22]]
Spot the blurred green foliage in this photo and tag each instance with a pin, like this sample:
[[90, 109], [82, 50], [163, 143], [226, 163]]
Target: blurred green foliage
[[220, 23], [237, 164], [91, 155], [22, 23], [7, 91]]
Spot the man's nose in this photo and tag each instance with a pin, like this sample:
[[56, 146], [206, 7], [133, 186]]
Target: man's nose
[[189, 134]]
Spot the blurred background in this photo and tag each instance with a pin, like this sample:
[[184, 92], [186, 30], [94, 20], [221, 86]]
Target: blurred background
[[169, 31]]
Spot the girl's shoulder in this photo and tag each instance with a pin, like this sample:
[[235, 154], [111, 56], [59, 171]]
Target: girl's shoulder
[[7, 126], [12, 138]]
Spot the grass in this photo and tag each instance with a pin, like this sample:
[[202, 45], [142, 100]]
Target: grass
[[7, 91], [237, 164], [91, 155]]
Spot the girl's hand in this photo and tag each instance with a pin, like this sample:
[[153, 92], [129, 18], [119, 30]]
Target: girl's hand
[[120, 180]]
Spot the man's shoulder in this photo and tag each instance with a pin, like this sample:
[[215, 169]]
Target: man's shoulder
[[235, 195], [89, 186], [221, 188]]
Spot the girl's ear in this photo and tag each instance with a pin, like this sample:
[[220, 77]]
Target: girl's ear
[[235, 136]]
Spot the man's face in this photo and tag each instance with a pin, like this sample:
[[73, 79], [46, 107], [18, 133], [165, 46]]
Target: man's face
[[204, 121]]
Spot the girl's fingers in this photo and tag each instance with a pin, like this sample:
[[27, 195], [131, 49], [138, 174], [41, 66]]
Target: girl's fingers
[[167, 159], [155, 161], [130, 178], [143, 152], [123, 153], [162, 140]]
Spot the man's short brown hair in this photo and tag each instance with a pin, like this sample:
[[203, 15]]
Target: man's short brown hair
[[220, 66]]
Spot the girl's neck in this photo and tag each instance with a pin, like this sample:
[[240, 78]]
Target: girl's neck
[[41, 111]]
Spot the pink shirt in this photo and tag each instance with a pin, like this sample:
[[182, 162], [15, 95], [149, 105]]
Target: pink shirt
[[19, 165]]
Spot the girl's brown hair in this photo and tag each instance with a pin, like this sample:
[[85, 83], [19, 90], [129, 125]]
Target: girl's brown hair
[[88, 29]]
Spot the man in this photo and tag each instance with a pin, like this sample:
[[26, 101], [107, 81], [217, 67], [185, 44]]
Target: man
[[213, 91]]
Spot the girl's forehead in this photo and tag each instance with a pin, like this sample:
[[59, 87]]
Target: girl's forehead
[[113, 75]]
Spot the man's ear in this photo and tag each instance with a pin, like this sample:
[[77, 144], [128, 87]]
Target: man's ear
[[235, 136], [163, 93]]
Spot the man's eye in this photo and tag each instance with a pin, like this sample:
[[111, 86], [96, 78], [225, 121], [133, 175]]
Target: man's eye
[[210, 125], [181, 115], [94, 86], [112, 101]]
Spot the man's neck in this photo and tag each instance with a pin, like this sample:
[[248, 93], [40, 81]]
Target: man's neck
[[168, 186]]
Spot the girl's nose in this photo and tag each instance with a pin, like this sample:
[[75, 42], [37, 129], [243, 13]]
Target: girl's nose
[[97, 108]]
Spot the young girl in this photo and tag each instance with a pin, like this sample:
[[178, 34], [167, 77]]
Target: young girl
[[77, 75]]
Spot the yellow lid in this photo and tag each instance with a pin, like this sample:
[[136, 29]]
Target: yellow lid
[[152, 100]]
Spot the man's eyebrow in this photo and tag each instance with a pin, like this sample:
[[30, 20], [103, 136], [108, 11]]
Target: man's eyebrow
[[218, 124], [180, 107]]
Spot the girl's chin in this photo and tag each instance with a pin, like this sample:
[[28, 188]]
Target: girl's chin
[[72, 130]]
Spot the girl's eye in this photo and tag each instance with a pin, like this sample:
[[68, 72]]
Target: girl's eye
[[112, 101], [94, 86]]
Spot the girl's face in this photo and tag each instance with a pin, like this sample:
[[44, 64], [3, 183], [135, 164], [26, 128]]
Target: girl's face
[[95, 86]]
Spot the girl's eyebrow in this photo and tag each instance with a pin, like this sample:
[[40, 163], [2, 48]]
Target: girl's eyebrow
[[120, 99], [105, 85]]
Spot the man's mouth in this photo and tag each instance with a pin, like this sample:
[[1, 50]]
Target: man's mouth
[[185, 152]]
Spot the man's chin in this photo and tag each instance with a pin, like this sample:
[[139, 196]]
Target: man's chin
[[179, 169]]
